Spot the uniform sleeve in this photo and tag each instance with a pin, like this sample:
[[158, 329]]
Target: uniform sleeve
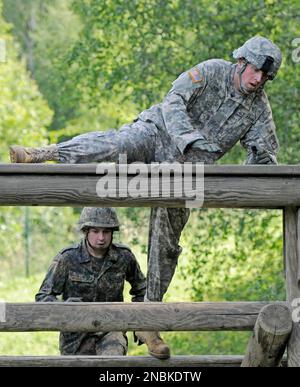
[[136, 279], [263, 134], [54, 281], [186, 88]]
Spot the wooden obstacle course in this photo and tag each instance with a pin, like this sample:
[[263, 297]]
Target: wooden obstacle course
[[225, 187]]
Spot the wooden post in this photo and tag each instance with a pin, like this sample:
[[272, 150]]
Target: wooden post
[[292, 268], [271, 332]]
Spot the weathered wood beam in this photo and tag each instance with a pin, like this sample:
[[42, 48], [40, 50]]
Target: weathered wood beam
[[292, 271], [93, 317], [75, 185], [121, 361], [90, 169], [270, 335]]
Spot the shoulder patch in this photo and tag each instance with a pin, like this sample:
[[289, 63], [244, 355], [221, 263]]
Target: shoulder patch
[[121, 246], [195, 75]]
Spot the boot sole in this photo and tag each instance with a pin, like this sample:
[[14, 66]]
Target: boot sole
[[159, 356]]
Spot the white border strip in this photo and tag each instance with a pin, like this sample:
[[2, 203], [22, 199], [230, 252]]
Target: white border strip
[[2, 311]]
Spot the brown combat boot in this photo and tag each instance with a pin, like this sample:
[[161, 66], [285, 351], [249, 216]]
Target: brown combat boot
[[20, 154], [156, 346]]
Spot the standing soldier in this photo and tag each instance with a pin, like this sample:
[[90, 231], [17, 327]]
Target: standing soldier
[[95, 270], [207, 111]]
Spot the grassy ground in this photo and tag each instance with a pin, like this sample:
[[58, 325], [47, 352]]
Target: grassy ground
[[22, 289]]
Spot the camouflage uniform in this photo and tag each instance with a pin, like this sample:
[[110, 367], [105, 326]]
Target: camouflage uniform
[[202, 105], [75, 273]]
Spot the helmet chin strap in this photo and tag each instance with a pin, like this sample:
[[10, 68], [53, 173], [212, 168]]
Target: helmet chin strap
[[240, 73]]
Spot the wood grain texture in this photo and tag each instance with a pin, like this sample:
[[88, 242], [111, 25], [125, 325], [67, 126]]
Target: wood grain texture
[[229, 186], [270, 335], [90, 169], [93, 317], [75, 185], [119, 361], [292, 267], [123, 361]]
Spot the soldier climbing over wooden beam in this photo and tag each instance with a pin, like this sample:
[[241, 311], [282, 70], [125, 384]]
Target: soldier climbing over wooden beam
[[208, 109]]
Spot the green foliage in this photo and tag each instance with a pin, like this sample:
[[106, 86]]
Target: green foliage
[[52, 39], [137, 48], [119, 57], [243, 259], [24, 118], [203, 343], [47, 31], [20, 289], [97, 63], [24, 112], [49, 232], [44, 40]]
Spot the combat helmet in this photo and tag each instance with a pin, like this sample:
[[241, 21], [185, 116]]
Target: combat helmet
[[98, 217], [262, 53]]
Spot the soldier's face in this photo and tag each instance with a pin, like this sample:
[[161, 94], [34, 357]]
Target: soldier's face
[[99, 238], [252, 78]]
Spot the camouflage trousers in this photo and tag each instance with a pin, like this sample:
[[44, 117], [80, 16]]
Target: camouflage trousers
[[99, 343], [142, 142]]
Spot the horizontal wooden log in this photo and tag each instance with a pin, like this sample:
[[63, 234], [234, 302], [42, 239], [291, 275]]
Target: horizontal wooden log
[[119, 361], [122, 361], [268, 342], [209, 170], [93, 317], [75, 185]]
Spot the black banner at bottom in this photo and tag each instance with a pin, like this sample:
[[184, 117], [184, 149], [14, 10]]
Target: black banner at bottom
[[88, 376]]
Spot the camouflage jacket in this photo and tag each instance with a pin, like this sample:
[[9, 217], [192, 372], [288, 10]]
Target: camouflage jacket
[[203, 103], [72, 274]]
